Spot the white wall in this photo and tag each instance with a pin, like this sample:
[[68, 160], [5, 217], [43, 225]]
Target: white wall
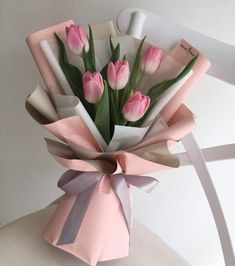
[[177, 210]]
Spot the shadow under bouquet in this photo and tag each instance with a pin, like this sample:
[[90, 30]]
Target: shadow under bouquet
[[116, 105]]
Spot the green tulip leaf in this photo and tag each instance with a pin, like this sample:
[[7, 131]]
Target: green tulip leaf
[[135, 68], [156, 91], [102, 118], [113, 107], [134, 74], [73, 75], [91, 52], [111, 44], [116, 54], [86, 61]]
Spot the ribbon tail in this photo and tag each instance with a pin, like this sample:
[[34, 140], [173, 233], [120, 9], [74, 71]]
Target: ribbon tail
[[120, 187], [76, 216]]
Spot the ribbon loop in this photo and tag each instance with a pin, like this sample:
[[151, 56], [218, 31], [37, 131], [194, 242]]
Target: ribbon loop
[[75, 182]]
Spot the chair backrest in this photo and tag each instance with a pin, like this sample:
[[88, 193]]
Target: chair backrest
[[139, 23]]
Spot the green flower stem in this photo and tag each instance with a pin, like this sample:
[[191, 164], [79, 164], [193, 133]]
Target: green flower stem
[[122, 99], [116, 93], [91, 52], [114, 114], [138, 82], [124, 122], [87, 66]]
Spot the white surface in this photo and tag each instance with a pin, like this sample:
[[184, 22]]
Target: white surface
[[23, 239], [177, 210]]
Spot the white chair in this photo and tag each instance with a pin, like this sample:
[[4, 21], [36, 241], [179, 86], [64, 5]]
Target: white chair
[[138, 23]]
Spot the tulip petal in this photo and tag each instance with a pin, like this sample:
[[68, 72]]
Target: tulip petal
[[111, 75]]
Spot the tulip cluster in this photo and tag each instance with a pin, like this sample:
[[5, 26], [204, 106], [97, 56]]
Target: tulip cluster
[[118, 74], [114, 89]]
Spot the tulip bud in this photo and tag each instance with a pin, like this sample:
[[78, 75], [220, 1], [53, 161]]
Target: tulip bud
[[93, 86], [77, 39], [151, 60], [118, 74], [135, 107]]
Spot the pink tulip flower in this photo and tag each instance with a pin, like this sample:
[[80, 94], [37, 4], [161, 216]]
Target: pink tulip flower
[[93, 86], [77, 39], [118, 74], [135, 107], [151, 59]]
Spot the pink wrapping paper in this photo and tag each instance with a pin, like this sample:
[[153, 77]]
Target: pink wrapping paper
[[45, 70], [103, 234], [182, 54]]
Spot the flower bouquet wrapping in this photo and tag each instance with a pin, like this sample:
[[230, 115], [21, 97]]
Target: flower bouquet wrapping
[[115, 104]]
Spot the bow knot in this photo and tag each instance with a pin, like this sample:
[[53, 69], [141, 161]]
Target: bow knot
[[83, 185]]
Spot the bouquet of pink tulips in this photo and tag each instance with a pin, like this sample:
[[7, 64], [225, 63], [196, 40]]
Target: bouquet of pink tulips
[[112, 96], [116, 105]]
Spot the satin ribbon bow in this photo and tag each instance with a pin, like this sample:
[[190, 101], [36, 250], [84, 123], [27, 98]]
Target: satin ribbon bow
[[83, 184]]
